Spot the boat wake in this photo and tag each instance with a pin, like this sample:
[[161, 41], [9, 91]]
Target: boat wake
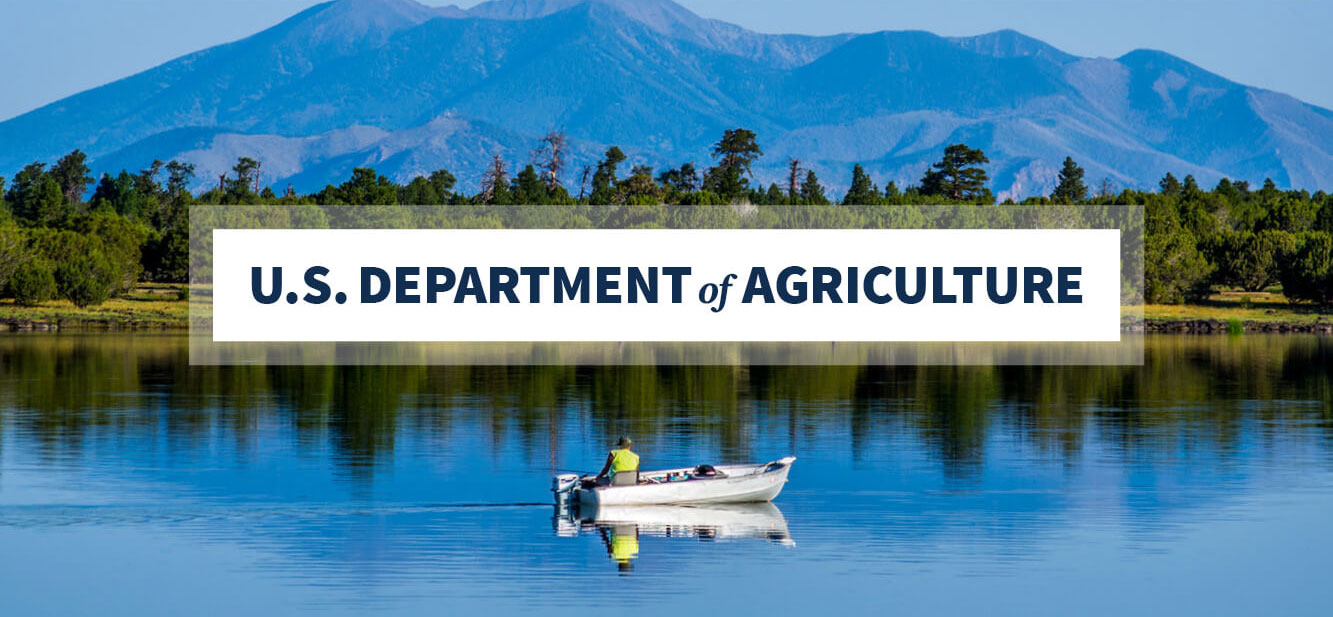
[[44, 515]]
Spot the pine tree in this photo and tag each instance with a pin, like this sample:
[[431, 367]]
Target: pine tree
[[958, 176], [1070, 189], [604, 179], [863, 191], [812, 192], [891, 191], [71, 174], [36, 197], [735, 152], [1169, 185], [793, 179]]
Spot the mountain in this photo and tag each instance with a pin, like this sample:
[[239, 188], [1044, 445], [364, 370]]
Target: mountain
[[407, 88]]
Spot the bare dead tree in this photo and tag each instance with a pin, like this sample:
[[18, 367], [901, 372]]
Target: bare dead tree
[[1106, 188], [793, 178], [583, 181], [495, 177], [550, 157]]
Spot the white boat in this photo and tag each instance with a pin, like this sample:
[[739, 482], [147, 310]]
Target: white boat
[[727, 484]]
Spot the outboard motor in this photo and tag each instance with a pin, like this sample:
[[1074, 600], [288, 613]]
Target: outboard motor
[[563, 486]]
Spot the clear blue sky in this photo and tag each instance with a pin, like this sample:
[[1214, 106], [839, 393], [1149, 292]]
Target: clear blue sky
[[54, 48]]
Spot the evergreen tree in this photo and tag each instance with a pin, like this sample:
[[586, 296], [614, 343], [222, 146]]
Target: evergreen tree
[[735, 153], [639, 187], [891, 191], [35, 197], [71, 174], [242, 186], [364, 188], [812, 192], [604, 179], [793, 180], [529, 187], [443, 182], [1070, 189], [1169, 185], [737, 149], [433, 190], [863, 191], [958, 176], [179, 176], [683, 179]]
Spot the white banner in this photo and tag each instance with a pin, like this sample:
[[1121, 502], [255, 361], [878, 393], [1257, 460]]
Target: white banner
[[666, 285]]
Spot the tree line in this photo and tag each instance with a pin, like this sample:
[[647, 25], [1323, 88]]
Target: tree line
[[58, 242]]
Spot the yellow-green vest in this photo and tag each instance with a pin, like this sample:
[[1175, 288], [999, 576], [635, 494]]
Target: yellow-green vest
[[623, 460]]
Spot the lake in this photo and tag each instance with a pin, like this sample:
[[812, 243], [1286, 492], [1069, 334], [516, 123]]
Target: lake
[[133, 484]]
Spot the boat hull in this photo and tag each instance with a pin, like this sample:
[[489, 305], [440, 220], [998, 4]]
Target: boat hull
[[742, 484]]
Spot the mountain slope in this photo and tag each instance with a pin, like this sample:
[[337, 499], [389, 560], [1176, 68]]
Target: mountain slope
[[408, 88]]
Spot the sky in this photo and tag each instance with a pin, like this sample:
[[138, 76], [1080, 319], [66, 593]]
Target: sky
[[55, 48]]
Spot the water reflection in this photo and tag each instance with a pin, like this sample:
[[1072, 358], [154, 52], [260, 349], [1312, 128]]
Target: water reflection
[[409, 489], [620, 527]]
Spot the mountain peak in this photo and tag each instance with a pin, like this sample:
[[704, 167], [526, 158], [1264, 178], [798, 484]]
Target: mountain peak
[[660, 15], [346, 22], [1012, 44]]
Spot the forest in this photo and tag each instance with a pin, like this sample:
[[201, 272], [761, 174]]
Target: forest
[[58, 241]]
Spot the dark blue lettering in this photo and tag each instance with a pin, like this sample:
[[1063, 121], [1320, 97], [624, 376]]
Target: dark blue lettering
[[567, 288], [257, 285], [1036, 282], [313, 281], [1067, 286], [469, 286], [405, 285], [503, 282], [433, 285], [914, 298], [370, 274]]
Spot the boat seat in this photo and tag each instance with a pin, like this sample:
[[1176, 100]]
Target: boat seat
[[625, 478]]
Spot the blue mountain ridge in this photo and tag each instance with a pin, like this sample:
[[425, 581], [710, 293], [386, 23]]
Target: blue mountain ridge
[[407, 88]]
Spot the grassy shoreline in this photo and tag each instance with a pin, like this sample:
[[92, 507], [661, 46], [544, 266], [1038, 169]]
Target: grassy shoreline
[[1235, 312], [151, 306], [154, 306]]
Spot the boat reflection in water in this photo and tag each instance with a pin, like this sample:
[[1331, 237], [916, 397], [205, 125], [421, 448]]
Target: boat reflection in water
[[620, 527]]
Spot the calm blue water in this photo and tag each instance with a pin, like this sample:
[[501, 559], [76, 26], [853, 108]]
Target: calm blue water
[[133, 484]]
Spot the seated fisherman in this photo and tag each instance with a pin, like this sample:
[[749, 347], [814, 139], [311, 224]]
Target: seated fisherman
[[619, 460]]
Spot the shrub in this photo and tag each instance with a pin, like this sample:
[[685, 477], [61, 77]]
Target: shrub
[[32, 283], [86, 280], [121, 243], [1252, 261], [1174, 270], [1308, 275]]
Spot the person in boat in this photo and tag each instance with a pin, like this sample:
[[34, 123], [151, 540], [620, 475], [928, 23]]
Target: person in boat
[[619, 460]]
